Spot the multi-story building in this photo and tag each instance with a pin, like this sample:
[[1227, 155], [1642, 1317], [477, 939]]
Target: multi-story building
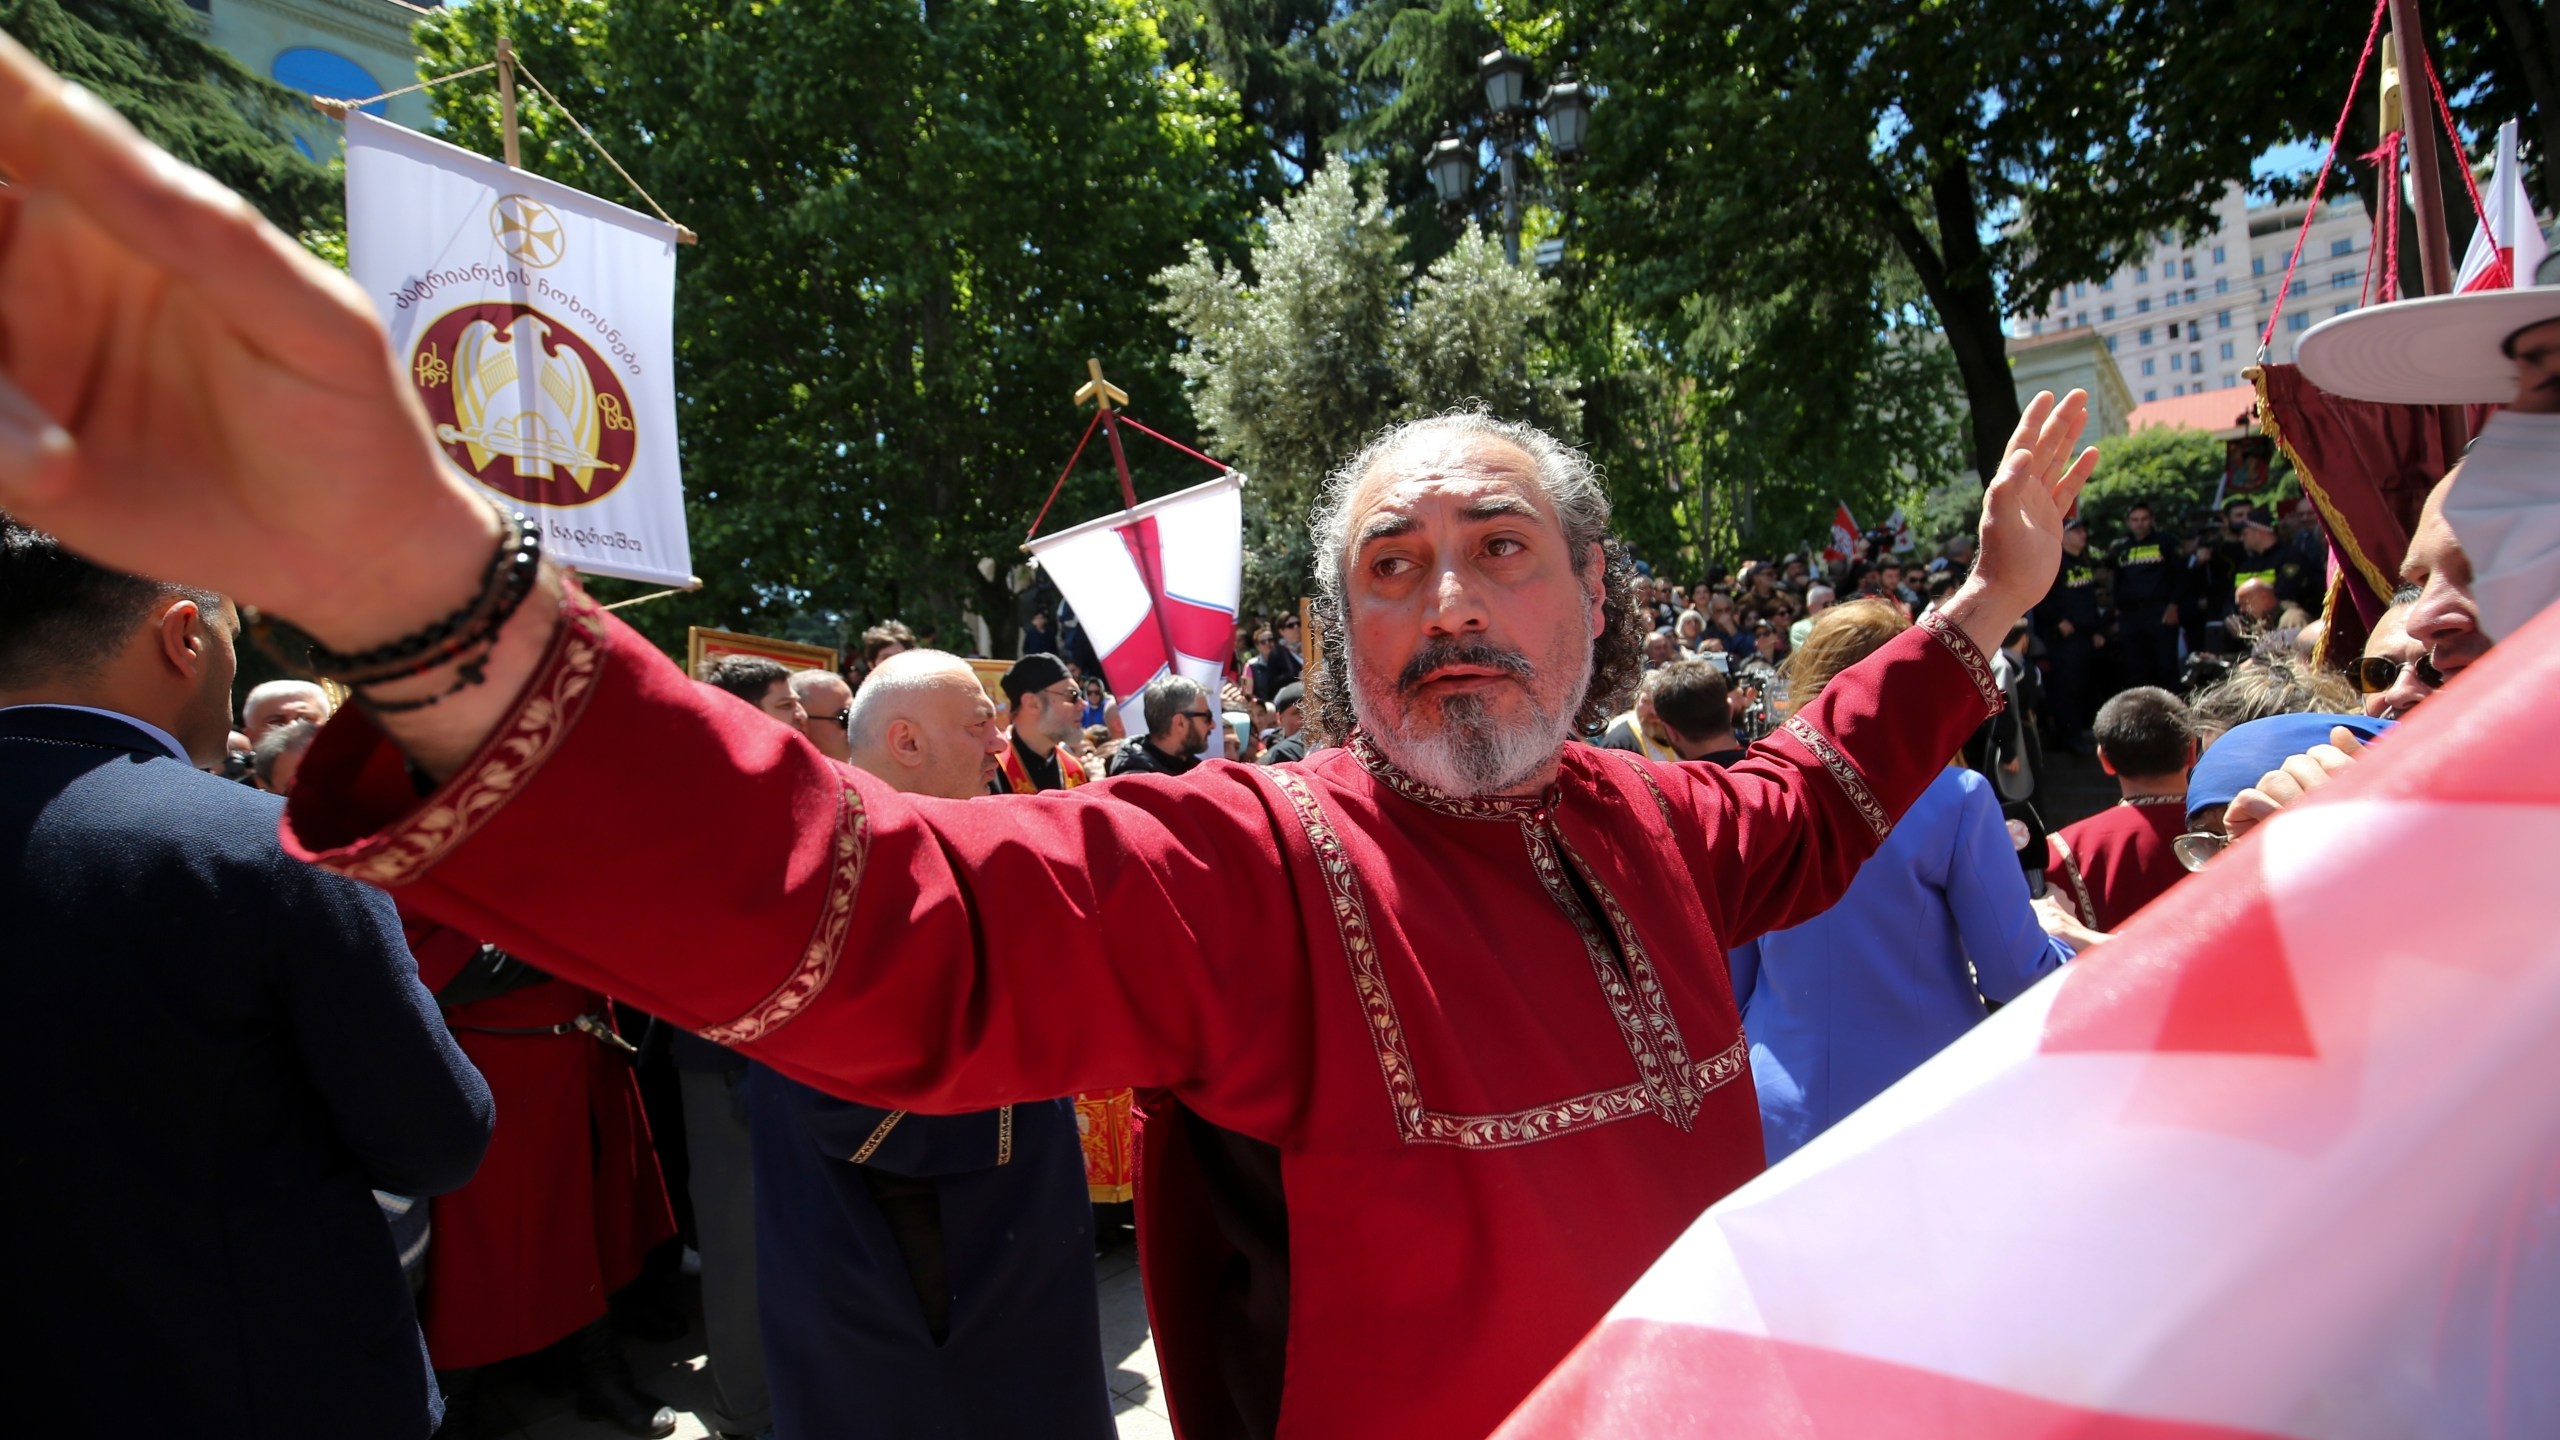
[[2184, 316], [340, 49]]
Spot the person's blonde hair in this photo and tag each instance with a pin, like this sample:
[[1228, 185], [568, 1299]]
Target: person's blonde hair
[[1841, 637]]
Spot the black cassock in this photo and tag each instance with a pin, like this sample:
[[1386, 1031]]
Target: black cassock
[[924, 1275]]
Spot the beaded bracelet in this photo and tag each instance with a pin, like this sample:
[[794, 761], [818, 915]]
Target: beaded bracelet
[[513, 569]]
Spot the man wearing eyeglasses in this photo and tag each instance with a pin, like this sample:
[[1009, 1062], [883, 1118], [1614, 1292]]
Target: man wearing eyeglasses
[[1048, 714], [1178, 723], [826, 701], [2394, 674]]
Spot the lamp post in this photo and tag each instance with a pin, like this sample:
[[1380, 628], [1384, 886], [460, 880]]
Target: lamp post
[[1450, 164]]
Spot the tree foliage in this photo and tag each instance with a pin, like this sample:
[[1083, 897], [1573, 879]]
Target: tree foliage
[[917, 222], [1327, 333], [147, 59]]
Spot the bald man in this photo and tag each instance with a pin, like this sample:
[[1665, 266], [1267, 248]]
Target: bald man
[[826, 705], [925, 1275], [279, 703]]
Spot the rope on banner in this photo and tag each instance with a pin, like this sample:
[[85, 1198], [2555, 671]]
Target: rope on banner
[[1062, 479], [683, 235], [2372, 33], [339, 109], [656, 595], [1219, 465], [2453, 141]]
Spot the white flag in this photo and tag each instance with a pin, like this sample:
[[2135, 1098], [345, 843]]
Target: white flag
[[2272, 1163], [1156, 590], [2509, 263], [538, 324]]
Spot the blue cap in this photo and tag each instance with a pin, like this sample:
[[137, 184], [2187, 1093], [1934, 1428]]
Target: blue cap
[[2245, 752]]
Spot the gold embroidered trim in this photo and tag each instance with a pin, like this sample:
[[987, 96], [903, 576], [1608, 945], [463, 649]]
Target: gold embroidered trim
[[2070, 865], [1432, 797], [826, 943], [1636, 997], [1961, 645], [1846, 775], [1004, 1135], [879, 1133], [1416, 1123], [523, 744], [1644, 773]]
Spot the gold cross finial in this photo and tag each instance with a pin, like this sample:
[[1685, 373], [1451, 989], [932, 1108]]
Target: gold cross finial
[[1098, 390]]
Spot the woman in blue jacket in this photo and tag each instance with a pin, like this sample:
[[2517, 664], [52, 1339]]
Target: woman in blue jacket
[[1936, 924]]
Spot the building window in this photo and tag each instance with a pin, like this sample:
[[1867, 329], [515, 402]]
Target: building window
[[2195, 362], [2080, 291], [2141, 274], [2343, 247], [2177, 363], [2187, 269], [2221, 284], [2148, 366], [2145, 337], [2111, 344], [2217, 254], [2176, 390], [2168, 298], [2084, 319], [2150, 395], [2343, 309], [2142, 305], [2226, 349], [2297, 321], [2257, 264], [2191, 295], [2341, 279], [2106, 312], [2222, 320]]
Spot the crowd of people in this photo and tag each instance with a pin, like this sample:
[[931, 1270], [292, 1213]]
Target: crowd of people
[[459, 1047]]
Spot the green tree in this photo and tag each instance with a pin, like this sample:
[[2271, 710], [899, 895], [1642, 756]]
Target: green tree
[[1327, 333], [917, 221], [2175, 471], [148, 59]]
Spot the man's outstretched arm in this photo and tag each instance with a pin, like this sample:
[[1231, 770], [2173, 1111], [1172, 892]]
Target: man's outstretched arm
[[186, 393]]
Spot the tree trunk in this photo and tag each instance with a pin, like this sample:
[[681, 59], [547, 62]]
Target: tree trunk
[[1957, 277]]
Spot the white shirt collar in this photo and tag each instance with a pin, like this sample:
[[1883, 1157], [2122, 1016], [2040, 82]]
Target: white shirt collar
[[167, 740]]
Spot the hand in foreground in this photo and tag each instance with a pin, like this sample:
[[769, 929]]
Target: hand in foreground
[[2022, 512], [2298, 777], [2059, 921], [185, 393]]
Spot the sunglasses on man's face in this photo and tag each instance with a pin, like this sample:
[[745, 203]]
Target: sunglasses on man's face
[[2375, 673], [841, 717]]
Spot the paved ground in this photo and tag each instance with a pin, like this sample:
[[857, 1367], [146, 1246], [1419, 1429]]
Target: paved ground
[[541, 1410]]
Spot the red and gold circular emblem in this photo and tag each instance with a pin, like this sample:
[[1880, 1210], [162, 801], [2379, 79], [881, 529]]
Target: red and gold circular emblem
[[524, 405]]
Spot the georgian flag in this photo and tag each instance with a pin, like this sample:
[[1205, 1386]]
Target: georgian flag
[[2282, 1160], [1157, 589], [1844, 535], [2511, 261]]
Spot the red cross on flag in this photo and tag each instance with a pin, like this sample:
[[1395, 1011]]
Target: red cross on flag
[[2507, 247], [1156, 589], [1844, 535], [2281, 1160]]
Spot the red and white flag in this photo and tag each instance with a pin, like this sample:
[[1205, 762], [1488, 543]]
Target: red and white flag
[[2517, 249], [1156, 589], [1844, 535], [2282, 1160]]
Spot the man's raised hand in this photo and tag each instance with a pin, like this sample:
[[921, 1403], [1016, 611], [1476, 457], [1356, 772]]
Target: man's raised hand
[[185, 393], [2022, 513]]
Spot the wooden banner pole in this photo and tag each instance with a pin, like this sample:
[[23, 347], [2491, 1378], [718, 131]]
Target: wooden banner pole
[[507, 102]]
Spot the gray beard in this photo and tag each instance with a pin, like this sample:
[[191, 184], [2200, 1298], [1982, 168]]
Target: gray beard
[[1471, 755]]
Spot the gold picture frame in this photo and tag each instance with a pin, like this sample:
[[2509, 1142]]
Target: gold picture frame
[[703, 645]]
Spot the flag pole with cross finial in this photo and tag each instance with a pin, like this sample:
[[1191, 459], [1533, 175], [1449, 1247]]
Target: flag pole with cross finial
[[1141, 539]]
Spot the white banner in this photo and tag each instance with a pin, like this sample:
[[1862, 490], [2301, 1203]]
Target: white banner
[[1193, 542], [538, 324]]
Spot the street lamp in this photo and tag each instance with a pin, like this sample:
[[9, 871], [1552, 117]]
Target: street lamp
[[1506, 83], [1567, 106], [1450, 167]]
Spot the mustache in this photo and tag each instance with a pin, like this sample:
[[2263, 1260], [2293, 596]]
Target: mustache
[[1435, 654]]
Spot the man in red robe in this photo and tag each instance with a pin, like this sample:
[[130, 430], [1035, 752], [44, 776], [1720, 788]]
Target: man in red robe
[[2120, 859], [1443, 1010]]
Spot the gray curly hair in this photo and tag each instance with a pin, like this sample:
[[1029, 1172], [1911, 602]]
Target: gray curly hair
[[1572, 485]]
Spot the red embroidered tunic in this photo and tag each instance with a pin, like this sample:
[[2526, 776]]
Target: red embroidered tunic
[[2120, 859], [1489, 1046]]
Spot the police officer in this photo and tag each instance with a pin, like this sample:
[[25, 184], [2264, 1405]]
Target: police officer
[[2150, 579], [2071, 623], [2261, 555]]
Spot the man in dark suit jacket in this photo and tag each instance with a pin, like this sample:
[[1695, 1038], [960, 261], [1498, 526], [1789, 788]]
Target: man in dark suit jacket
[[216, 1056]]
